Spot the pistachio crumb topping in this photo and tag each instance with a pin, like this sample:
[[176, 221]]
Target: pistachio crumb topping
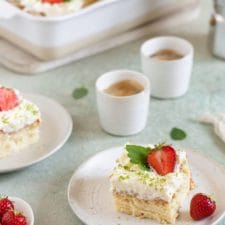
[[123, 177], [5, 120], [148, 178]]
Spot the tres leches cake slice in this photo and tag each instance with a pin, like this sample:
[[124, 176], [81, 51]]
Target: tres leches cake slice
[[19, 122], [151, 182]]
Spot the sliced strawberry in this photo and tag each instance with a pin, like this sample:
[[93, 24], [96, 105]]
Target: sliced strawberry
[[8, 99], [53, 1], [5, 205], [19, 219], [201, 206], [162, 159], [8, 218], [12, 218]]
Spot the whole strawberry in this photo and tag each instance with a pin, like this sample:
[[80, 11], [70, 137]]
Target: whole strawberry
[[12, 218], [5, 205], [202, 206]]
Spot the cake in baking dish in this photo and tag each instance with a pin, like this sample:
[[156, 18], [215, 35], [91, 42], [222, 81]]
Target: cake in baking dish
[[19, 122], [51, 7], [151, 182]]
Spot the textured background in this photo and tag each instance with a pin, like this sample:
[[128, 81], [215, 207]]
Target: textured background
[[44, 185]]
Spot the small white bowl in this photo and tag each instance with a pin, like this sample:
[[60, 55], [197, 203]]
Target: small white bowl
[[23, 207]]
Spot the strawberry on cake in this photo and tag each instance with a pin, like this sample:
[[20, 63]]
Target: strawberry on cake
[[151, 182], [19, 122]]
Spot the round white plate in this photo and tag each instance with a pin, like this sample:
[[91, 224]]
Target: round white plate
[[55, 129], [90, 198], [22, 206]]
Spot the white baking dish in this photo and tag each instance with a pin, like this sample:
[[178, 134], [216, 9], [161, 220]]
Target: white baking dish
[[53, 37]]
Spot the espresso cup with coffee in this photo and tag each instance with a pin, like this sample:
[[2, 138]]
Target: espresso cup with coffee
[[123, 98], [167, 61]]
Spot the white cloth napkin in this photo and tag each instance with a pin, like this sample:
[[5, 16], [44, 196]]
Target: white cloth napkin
[[217, 120]]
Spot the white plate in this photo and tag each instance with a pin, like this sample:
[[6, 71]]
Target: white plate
[[55, 129], [22, 206], [90, 198]]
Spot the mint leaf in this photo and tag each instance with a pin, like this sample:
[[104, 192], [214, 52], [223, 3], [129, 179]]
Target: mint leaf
[[80, 92], [177, 134], [138, 155]]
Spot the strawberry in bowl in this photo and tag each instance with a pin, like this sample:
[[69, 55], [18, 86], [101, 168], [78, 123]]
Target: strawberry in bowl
[[15, 211], [5, 205], [13, 218]]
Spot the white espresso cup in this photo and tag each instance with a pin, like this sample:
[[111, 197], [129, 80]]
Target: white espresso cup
[[122, 115], [169, 78]]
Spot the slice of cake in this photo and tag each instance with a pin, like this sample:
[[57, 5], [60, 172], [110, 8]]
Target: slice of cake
[[151, 182], [19, 122]]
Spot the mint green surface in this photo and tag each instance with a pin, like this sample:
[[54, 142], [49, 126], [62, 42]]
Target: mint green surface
[[44, 185]]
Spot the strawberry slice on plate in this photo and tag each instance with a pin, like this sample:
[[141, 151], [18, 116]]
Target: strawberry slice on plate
[[201, 206], [162, 159], [8, 99]]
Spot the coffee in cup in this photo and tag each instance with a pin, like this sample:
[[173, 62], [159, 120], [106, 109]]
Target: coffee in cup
[[123, 98], [167, 54], [125, 88]]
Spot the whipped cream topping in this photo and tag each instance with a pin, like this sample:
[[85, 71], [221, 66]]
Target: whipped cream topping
[[130, 179], [17, 118], [48, 9]]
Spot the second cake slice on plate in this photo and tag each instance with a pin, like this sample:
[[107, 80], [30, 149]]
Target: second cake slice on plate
[[19, 122]]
